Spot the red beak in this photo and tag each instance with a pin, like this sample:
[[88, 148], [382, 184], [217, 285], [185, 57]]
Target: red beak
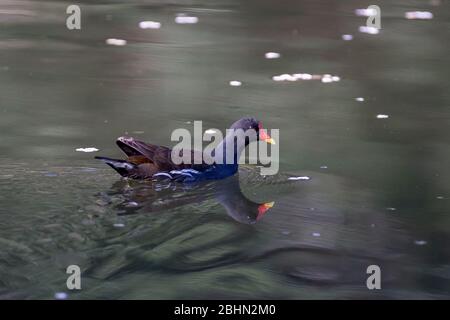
[[264, 136], [262, 209]]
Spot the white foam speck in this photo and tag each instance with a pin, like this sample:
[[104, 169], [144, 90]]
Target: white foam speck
[[347, 37], [90, 149], [368, 30], [132, 204], [116, 42], [327, 79], [440, 197], [335, 78], [419, 15], [391, 209], [149, 25], [382, 116], [360, 99], [272, 55], [420, 242], [182, 19], [119, 225], [299, 178], [235, 83], [316, 234]]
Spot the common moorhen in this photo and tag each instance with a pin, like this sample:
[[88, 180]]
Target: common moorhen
[[149, 161]]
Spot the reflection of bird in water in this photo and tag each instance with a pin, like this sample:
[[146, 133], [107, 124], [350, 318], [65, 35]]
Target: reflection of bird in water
[[146, 161], [146, 197]]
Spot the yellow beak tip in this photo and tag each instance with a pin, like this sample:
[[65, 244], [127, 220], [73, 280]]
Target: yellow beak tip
[[269, 204]]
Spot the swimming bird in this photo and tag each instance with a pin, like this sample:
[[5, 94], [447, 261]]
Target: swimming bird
[[146, 161]]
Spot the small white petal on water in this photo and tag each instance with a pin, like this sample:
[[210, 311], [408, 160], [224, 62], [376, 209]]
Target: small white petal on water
[[132, 204], [119, 225], [235, 83], [347, 37], [90, 149], [272, 55], [382, 116], [149, 25], [326, 78], [368, 30], [335, 78], [186, 19], [299, 178], [116, 42], [419, 15]]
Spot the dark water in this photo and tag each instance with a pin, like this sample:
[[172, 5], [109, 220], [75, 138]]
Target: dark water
[[379, 190]]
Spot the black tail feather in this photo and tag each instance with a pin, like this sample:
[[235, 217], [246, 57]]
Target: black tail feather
[[123, 167]]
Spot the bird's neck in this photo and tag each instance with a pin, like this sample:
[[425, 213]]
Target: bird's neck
[[229, 151]]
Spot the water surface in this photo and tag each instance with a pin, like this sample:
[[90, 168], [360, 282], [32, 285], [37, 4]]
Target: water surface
[[378, 193]]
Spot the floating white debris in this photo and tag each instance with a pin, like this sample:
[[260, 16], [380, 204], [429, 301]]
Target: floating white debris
[[284, 77], [365, 12], [360, 99], [347, 37], [440, 197], [382, 116], [316, 234], [149, 25], [61, 296], [119, 225], [90, 149], [210, 131], [132, 204], [235, 83], [391, 209], [299, 178], [369, 30], [182, 19], [326, 78], [116, 42], [303, 76], [420, 242], [272, 55], [419, 15], [323, 167]]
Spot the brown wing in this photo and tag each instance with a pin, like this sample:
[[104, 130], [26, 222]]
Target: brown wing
[[158, 158]]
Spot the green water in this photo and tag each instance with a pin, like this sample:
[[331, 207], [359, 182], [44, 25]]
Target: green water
[[379, 190]]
